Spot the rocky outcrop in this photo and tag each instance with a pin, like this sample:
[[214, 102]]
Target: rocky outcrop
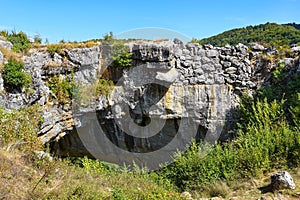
[[5, 44], [173, 90]]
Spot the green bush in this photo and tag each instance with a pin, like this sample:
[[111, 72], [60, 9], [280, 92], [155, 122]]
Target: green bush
[[62, 87], [20, 41], [37, 39], [121, 56], [14, 77], [104, 86], [85, 93], [278, 72]]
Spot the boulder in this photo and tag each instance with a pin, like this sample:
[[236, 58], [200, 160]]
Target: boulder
[[282, 180], [296, 49], [5, 44], [256, 47]]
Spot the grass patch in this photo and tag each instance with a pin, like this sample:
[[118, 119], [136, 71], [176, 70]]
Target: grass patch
[[24, 178], [9, 54]]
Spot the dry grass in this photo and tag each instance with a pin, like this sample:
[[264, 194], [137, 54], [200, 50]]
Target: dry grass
[[249, 189], [9, 54], [66, 45], [23, 178]]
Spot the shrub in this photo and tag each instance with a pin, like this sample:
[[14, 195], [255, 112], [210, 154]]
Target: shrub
[[19, 128], [37, 39], [85, 93], [20, 41], [104, 86], [61, 87], [278, 72], [14, 77], [4, 33], [121, 57]]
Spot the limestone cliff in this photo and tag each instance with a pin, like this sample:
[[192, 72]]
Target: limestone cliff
[[173, 89]]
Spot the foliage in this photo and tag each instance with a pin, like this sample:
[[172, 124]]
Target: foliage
[[104, 86], [14, 77], [37, 39], [283, 87], [85, 93], [25, 178], [18, 128], [266, 142], [4, 33], [271, 33], [19, 40], [61, 87], [121, 57]]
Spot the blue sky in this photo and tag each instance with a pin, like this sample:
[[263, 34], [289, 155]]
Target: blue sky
[[87, 19]]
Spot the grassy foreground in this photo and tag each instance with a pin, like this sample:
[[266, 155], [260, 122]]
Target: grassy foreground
[[22, 177]]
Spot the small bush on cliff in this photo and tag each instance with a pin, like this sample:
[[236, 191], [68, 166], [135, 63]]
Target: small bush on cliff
[[19, 40], [14, 77], [121, 57], [61, 87]]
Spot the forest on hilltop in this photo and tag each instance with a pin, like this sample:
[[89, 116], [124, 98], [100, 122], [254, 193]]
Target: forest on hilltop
[[269, 33]]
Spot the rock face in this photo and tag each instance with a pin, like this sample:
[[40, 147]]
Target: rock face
[[5, 44], [172, 91], [282, 180]]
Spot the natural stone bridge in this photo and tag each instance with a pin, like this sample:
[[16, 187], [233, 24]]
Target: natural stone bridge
[[176, 90]]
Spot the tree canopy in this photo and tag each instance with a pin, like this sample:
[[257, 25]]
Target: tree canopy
[[270, 33]]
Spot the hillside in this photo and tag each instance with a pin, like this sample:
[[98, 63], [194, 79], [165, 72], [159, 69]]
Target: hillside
[[271, 33]]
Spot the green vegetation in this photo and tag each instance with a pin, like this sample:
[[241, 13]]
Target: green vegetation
[[270, 33], [121, 56], [62, 87], [18, 128], [267, 138], [54, 48], [14, 77], [83, 94], [37, 39], [19, 40], [27, 178]]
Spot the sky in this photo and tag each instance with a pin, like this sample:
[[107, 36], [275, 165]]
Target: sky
[[80, 20]]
